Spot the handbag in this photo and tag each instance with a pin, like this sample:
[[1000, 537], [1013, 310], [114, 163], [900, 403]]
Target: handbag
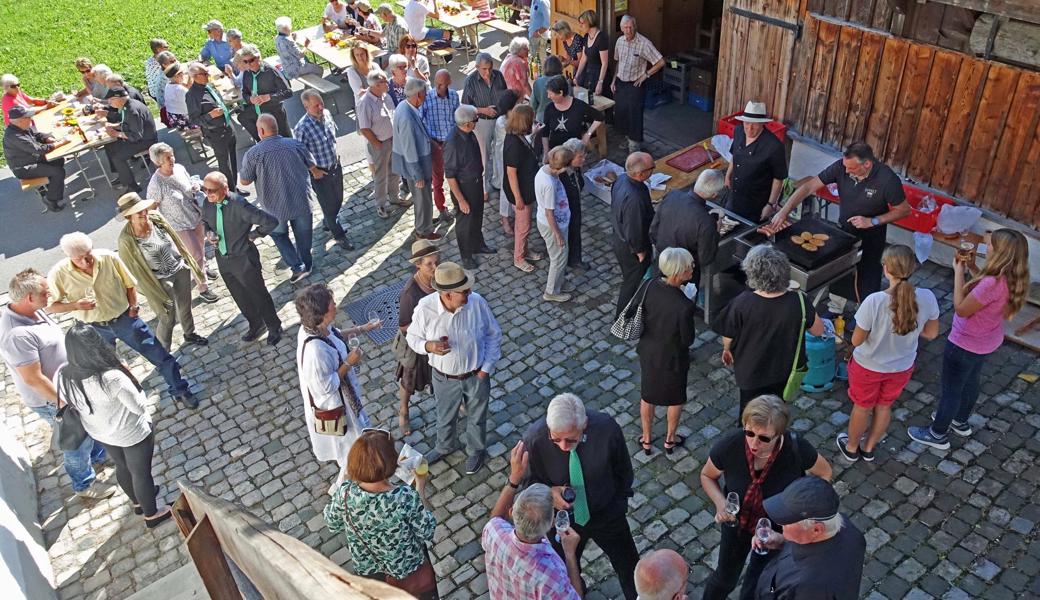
[[794, 380], [420, 581], [70, 427], [332, 421], [402, 351], [629, 324]]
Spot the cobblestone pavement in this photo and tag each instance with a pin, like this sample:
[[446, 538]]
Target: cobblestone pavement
[[960, 524]]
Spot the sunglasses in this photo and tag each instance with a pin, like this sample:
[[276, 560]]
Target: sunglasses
[[210, 190], [250, 61], [411, 45], [762, 438], [377, 430]]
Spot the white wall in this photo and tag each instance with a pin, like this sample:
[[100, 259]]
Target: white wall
[[26, 571]]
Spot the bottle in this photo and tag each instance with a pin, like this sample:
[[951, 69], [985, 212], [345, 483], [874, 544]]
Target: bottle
[[839, 326]]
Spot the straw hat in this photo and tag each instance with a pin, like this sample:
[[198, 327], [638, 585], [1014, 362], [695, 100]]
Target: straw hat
[[130, 203], [754, 112], [421, 248], [214, 24], [450, 277]]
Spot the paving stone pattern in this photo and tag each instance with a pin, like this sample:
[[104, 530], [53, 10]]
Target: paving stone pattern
[[959, 524]]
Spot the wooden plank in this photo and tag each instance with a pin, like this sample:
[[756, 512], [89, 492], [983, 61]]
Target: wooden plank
[[1006, 174], [925, 21], [937, 98], [734, 100], [841, 85], [801, 74], [783, 78], [819, 85], [959, 118], [841, 8], [871, 47], [882, 18], [725, 62], [756, 70], [1029, 187], [204, 548], [985, 134], [816, 6], [890, 76], [908, 106], [1023, 10], [862, 11]]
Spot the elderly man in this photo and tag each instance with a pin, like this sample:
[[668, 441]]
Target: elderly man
[[216, 49], [415, 18], [234, 39], [206, 108], [375, 121], [294, 63], [464, 171], [759, 166], [481, 89], [116, 81], [235, 224], [134, 131], [98, 289], [631, 215], [317, 132], [820, 551], [581, 454], [393, 30], [456, 330], [33, 347], [411, 156], [26, 149], [282, 168], [438, 114], [637, 61], [263, 91], [520, 561], [661, 575], [15, 96], [682, 220]]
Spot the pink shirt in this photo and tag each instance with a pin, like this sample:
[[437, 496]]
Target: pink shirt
[[983, 332], [21, 99], [517, 75], [519, 571]]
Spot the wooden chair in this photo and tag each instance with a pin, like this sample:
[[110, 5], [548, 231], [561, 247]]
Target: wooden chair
[[146, 160]]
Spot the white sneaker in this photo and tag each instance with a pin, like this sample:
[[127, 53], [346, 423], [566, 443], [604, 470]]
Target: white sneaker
[[97, 492], [556, 297]]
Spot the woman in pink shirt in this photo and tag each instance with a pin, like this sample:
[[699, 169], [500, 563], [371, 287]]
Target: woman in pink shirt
[[995, 293], [14, 96]]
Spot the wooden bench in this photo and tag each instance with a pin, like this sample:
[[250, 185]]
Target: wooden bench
[[437, 58], [320, 85], [274, 62], [195, 145], [33, 183], [506, 27]]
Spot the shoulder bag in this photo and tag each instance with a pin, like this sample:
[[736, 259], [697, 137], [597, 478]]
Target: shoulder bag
[[629, 324], [794, 380], [331, 421], [402, 351], [71, 433]]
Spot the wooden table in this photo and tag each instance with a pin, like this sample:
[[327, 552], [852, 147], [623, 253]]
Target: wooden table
[[465, 23], [225, 86], [681, 180], [602, 104], [332, 53], [52, 121]]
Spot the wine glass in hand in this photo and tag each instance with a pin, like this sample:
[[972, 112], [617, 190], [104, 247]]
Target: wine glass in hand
[[732, 507], [762, 531], [374, 320], [562, 523], [353, 342]]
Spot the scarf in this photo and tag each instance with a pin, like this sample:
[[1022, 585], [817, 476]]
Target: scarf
[[751, 509], [411, 156]]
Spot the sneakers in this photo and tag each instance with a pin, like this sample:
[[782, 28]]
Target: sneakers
[[299, 276], [843, 441], [196, 339], [961, 429], [867, 456], [556, 297], [473, 463], [208, 297], [97, 492], [925, 435]]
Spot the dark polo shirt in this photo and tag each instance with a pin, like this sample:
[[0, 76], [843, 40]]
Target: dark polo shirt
[[827, 570]]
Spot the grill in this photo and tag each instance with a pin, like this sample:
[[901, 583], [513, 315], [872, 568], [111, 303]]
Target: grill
[[811, 270]]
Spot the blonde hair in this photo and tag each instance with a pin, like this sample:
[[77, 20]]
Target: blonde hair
[[765, 411], [1008, 258], [901, 263], [520, 120], [559, 158], [590, 18]]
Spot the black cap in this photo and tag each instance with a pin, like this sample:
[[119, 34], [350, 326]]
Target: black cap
[[20, 112], [807, 498], [118, 93]]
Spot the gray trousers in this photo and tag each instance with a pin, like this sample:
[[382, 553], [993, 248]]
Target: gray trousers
[[386, 181], [422, 200], [178, 287], [486, 139], [450, 394], [557, 257]]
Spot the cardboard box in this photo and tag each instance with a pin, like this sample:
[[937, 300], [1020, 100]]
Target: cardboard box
[[601, 191]]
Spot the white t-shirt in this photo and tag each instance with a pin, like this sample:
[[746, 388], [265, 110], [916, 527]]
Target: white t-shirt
[[336, 17], [415, 19], [885, 351], [116, 415], [550, 194], [175, 98], [422, 65]]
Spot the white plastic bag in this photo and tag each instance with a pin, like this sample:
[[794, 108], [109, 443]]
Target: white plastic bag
[[922, 246], [722, 144], [955, 219]]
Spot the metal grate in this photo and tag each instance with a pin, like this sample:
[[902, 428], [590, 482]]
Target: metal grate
[[385, 302]]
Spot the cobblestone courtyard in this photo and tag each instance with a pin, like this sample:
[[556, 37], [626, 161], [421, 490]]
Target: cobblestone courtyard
[[958, 524]]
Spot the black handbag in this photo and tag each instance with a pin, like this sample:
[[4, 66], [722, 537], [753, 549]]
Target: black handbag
[[70, 427]]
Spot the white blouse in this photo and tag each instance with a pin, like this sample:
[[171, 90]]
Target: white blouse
[[117, 415], [176, 99]]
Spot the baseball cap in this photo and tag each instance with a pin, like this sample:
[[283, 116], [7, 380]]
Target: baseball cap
[[118, 92], [20, 112], [807, 498], [214, 24]]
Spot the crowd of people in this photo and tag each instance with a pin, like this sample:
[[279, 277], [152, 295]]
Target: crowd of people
[[501, 138]]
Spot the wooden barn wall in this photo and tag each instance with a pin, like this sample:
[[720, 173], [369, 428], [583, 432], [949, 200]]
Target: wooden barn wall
[[963, 125]]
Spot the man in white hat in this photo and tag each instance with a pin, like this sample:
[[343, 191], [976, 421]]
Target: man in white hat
[[216, 49], [759, 166], [456, 330]]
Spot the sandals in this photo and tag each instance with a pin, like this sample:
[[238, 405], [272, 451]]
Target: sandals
[[647, 448], [525, 266], [404, 423], [670, 447], [160, 516], [534, 256], [382, 213]]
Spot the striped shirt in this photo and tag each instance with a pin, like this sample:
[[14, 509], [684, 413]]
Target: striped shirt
[[521, 571], [392, 34], [279, 166], [319, 137], [438, 114], [482, 94], [634, 58], [160, 253]]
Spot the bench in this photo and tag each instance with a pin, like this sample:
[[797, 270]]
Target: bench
[[506, 27], [274, 62], [193, 142], [437, 58], [33, 183], [320, 85]]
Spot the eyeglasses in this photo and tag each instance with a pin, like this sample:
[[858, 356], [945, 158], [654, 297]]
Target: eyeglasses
[[210, 190], [762, 438], [84, 72], [411, 45], [250, 61]]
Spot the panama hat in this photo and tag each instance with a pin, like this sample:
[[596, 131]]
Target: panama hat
[[754, 112], [450, 277], [131, 203]]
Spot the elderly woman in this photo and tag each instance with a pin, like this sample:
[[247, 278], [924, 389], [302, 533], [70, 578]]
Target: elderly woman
[[179, 201], [333, 407], [592, 66], [464, 173], [159, 260], [387, 526], [294, 63], [506, 102], [540, 92], [759, 460], [572, 43], [567, 117], [14, 96], [175, 94], [418, 65], [515, 69], [553, 218], [762, 327], [397, 68], [573, 182], [338, 15], [664, 346], [521, 168], [413, 370], [360, 66]]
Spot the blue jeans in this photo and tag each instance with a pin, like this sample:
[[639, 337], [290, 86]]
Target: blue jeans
[[959, 385], [135, 333], [76, 462], [434, 33], [297, 256]]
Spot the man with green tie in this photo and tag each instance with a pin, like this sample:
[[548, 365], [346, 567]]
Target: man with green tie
[[233, 224], [206, 108], [581, 455]]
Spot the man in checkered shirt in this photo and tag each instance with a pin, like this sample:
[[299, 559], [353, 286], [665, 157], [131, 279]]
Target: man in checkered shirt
[[637, 61], [317, 131]]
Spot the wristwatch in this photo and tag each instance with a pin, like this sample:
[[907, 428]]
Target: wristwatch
[[135, 308], [875, 221], [510, 483]]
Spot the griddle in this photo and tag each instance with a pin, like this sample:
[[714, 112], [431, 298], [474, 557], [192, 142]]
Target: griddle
[[839, 243]]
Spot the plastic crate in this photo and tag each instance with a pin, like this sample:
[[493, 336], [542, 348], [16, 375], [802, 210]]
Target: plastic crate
[[704, 103], [917, 221], [728, 125]]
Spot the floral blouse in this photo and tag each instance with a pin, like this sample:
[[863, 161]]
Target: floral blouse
[[385, 532]]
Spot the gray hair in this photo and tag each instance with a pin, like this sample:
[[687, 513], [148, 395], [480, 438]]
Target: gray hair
[[561, 27], [628, 19], [465, 113], [413, 87], [767, 269], [674, 261], [576, 146], [376, 76], [76, 243], [117, 79], [636, 161], [267, 122], [566, 411], [249, 50], [158, 151], [519, 43], [283, 23], [8, 79], [385, 8], [396, 60], [101, 70], [484, 58], [308, 94], [195, 67], [26, 282], [533, 512], [710, 183], [831, 526], [233, 33]]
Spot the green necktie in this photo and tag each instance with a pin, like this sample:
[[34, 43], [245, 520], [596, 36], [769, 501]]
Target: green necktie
[[581, 502], [220, 102], [221, 244], [256, 106]]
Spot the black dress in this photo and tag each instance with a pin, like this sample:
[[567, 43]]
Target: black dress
[[417, 378], [664, 347]]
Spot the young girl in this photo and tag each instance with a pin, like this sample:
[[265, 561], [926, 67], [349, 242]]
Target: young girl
[[888, 325], [996, 292]]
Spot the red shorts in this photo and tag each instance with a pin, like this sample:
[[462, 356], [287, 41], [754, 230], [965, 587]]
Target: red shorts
[[868, 389]]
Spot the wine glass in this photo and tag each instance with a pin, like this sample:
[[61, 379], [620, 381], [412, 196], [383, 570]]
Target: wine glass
[[762, 531], [89, 295], [373, 318], [562, 523], [732, 507], [353, 342]]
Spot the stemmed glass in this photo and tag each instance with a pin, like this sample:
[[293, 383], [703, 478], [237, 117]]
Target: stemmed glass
[[762, 531], [353, 342], [373, 318], [732, 507], [562, 523]]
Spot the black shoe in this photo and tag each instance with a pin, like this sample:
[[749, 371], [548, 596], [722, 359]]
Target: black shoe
[[241, 192], [54, 206], [187, 399], [581, 266], [473, 463], [208, 297], [274, 336], [194, 338], [485, 249], [344, 243], [469, 263], [254, 334]]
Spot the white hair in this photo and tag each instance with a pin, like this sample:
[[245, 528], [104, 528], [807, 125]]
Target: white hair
[[249, 50], [101, 70], [575, 145], [628, 19], [710, 184], [519, 43], [674, 261], [76, 243], [413, 87], [8, 79], [831, 526], [533, 512], [233, 33], [158, 151], [283, 23], [396, 60], [116, 78], [465, 113], [267, 122], [375, 76], [566, 411]]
